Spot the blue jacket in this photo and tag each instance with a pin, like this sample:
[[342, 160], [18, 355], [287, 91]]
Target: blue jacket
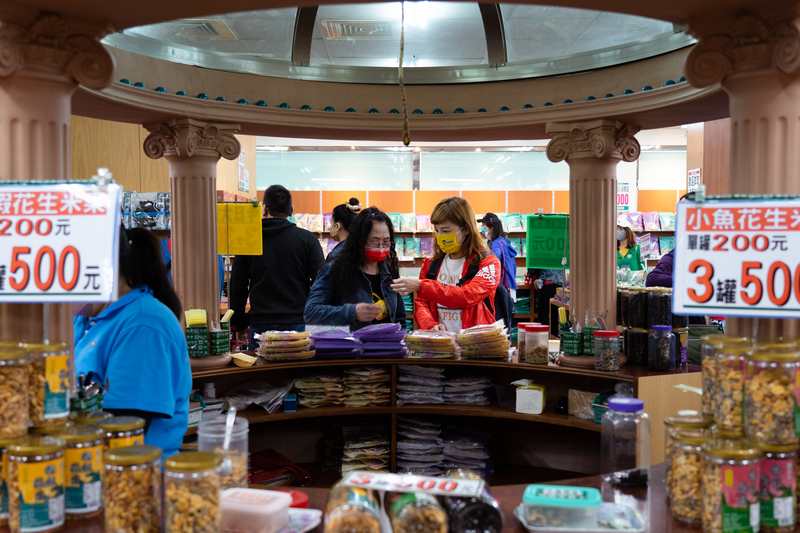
[[333, 253], [323, 310], [506, 254]]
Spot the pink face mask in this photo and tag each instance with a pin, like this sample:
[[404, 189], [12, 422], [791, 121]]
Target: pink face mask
[[375, 255]]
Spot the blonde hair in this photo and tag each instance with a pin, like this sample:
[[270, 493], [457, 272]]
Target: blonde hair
[[458, 211]]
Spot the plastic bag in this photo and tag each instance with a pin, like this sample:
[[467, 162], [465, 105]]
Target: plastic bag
[[260, 393], [418, 398]]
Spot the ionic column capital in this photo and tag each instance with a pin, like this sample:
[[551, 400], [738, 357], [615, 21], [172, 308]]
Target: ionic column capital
[[186, 137], [601, 139]]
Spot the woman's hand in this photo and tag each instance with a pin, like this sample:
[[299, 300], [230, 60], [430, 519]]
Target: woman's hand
[[367, 312], [404, 286], [438, 327]]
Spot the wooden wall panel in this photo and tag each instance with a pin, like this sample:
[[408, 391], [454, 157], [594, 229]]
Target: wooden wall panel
[[228, 171], [694, 147], [102, 143], [530, 201], [391, 201], [562, 202], [154, 172], [662, 399], [716, 156], [427, 200], [486, 201], [331, 199], [305, 201], [658, 200]]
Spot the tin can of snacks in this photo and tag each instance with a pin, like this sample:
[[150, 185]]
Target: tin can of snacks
[[50, 383], [771, 390], [352, 509], [122, 431], [14, 382], [686, 421], [730, 364], [4, 443], [132, 489], [83, 459], [778, 488], [731, 487], [192, 493], [685, 475], [35, 482]]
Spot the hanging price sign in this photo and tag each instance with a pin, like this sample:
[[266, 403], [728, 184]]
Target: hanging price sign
[[738, 258], [59, 243], [410, 483]]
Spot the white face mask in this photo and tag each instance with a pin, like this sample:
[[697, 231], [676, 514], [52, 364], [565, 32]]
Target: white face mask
[[621, 234]]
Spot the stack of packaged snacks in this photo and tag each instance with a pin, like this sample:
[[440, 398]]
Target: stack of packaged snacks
[[382, 341], [420, 384], [367, 386], [419, 446], [320, 390], [285, 345], [432, 344], [366, 451], [468, 390], [484, 342], [467, 449], [336, 344]]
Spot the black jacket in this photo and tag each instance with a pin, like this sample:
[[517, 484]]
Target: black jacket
[[279, 280]]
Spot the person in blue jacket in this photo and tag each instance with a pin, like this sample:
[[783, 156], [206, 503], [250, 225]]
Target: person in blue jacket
[[355, 288], [138, 344], [501, 248], [342, 218]]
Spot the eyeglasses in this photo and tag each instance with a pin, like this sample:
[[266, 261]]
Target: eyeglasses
[[378, 243]]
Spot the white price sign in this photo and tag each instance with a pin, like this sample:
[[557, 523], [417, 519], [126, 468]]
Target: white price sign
[[693, 181], [59, 243], [409, 483], [737, 258]]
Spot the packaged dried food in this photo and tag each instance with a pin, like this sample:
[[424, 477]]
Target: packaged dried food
[[661, 349], [685, 475], [283, 335], [606, 350], [626, 297], [710, 372], [14, 382], [210, 438], [411, 512], [122, 431], [639, 308], [686, 421], [255, 510], [770, 395], [778, 488], [681, 346], [728, 406], [35, 482], [91, 417], [132, 489], [638, 346], [561, 506], [660, 307], [192, 493], [476, 514], [83, 460], [352, 510], [730, 486], [50, 383], [537, 344], [4, 443]]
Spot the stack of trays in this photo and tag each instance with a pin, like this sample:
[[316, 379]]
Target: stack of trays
[[285, 345], [336, 344], [366, 387], [382, 340], [321, 390], [484, 342], [432, 345]]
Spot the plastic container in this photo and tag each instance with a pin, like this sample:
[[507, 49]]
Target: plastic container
[[132, 489], [14, 382], [730, 362], [33, 464], [83, 460], [50, 384], [588, 339], [521, 332], [625, 442], [778, 488], [211, 436], [638, 346], [480, 514], [537, 344], [730, 487], [686, 421], [122, 431], [770, 390], [560, 507], [410, 512], [639, 308], [352, 509], [571, 343], [626, 297], [685, 475], [606, 350], [4, 443], [91, 417], [710, 373], [255, 510], [661, 349], [192, 493], [660, 307]]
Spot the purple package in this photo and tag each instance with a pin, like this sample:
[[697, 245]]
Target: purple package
[[327, 346], [398, 354], [333, 334], [655, 251], [340, 354], [651, 222], [423, 223], [326, 221], [379, 346], [635, 218], [388, 337], [376, 330], [426, 247]]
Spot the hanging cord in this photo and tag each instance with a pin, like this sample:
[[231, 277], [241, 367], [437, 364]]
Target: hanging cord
[[406, 135]]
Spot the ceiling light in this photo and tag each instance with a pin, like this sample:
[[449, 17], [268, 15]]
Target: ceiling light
[[477, 149], [352, 147], [417, 149]]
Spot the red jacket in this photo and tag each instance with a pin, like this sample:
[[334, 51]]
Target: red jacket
[[468, 298]]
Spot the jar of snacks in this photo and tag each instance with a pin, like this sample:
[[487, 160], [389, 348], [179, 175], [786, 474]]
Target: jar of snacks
[[686, 421], [91, 417], [210, 437], [708, 346], [50, 383], [660, 307], [521, 329], [410, 512], [625, 295], [770, 389], [537, 344], [132, 489], [4, 443], [685, 475], [730, 362], [83, 459], [35, 480], [352, 509], [778, 488], [637, 346], [730, 486], [14, 379], [606, 350], [551, 506], [639, 307], [122, 431], [192, 493]]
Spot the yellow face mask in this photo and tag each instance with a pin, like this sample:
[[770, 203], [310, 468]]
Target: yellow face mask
[[335, 236], [448, 243]]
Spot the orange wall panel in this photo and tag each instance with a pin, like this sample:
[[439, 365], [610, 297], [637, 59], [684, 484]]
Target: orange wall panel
[[331, 199], [305, 201], [530, 201], [486, 201], [427, 200], [658, 200], [392, 201], [562, 202]]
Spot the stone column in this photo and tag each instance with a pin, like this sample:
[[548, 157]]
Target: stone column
[[756, 58], [592, 150], [192, 149], [43, 59]]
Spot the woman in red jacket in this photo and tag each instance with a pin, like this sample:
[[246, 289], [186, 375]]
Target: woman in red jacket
[[443, 302]]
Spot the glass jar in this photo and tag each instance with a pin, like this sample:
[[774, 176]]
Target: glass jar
[[685, 475], [211, 436], [83, 459], [660, 307], [537, 344], [193, 493], [625, 442], [778, 488], [661, 349], [686, 421], [637, 346], [472, 514], [606, 350], [91, 417], [625, 309], [132, 489], [4, 443], [50, 383], [14, 379], [770, 392], [352, 509], [623, 339], [619, 306], [708, 360], [410, 512], [122, 431], [730, 486], [35, 481], [730, 384], [639, 308]]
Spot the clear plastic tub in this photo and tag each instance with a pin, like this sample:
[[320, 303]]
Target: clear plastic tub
[[132, 489], [255, 510], [685, 475], [35, 463], [730, 363], [521, 329], [352, 510], [122, 431], [210, 438], [50, 384], [537, 344], [710, 377], [561, 507], [769, 395], [683, 423], [730, 486], [778, 488], [192, 493], [625, 442], [661, 349], [606, 350], [14, 382], [83, 458]]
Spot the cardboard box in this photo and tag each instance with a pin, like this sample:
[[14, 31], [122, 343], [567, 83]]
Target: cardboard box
[[195, 413]]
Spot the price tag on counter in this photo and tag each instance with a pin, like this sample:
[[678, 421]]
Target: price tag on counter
[[59, 243], [410, 483], [737, 258]]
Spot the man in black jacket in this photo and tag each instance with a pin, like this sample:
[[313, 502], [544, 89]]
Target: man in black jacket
[[279, 280]]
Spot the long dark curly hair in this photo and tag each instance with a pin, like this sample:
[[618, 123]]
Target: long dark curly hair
[[349, 262]]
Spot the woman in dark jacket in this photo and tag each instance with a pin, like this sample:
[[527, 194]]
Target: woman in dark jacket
[[342, 218]]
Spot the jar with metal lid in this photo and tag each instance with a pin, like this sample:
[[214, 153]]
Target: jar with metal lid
[[638, 346], [770, 395], [660, 307], [52, 431], [640, 306], [122, 431], [83, 459], [661, 349], [210, 438], [472, 514], [132, 489], [606, 350], [50, 383], [730, 384], [91, 417], [537, 344], [349, 509], [710, 373], [683, 422], [410, 512], [685, 475], [730, 486], [14, 382], [35, 481], [4, 443], [778, 488], [192, 493]]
